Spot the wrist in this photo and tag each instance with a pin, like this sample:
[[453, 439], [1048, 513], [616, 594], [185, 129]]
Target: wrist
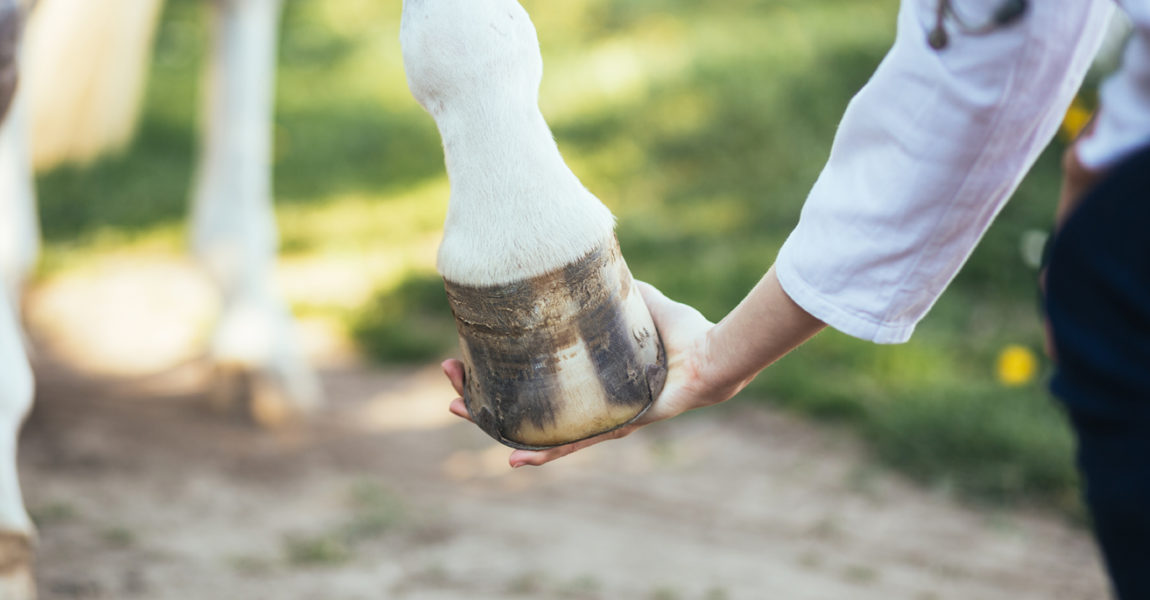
[[720, 370], [766, 325]]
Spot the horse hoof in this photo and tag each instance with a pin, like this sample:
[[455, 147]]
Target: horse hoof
[[559, 357], [16, 560], [259, 396]]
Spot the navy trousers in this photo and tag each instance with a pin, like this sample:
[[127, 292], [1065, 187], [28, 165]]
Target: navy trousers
[[1098, 304]]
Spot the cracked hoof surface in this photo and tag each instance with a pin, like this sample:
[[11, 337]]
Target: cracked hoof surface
[[559, 357]]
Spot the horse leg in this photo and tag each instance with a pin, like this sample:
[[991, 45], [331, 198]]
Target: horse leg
[[16, 531], [234, 231], [19, 226], [19, 223]]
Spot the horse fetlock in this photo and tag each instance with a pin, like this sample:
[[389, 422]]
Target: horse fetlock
[[16, 383], [559, 357], [248, 333], [493, 54], [16, 392], [260, 368]]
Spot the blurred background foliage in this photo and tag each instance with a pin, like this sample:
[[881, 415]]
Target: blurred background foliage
[[701, 124]]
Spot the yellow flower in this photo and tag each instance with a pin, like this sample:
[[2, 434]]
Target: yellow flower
[[1017, 365], [1077, 116]]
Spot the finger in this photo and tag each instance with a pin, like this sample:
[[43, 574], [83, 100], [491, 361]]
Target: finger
[[538, 458], [459, 409], [454, 371], [658, 305]]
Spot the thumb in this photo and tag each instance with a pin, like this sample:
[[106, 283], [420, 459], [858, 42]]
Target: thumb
[[657, 304], [666, 312]]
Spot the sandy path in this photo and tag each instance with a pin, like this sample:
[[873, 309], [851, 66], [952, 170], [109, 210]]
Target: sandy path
[[141, 493]]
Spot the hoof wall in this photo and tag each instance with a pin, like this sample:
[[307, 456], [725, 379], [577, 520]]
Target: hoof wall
[[559, 357], [16, 572], [257, 397]]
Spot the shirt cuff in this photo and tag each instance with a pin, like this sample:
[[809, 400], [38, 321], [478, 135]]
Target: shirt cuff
[[864, 327]]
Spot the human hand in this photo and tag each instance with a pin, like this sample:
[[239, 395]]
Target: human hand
[[1077, 179], [683, 331]]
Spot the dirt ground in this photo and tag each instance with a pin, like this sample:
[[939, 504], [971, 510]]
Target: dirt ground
[[141, 492]]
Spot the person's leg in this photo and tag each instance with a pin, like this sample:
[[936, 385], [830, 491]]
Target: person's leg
[[1115, 462], [1098, 304]]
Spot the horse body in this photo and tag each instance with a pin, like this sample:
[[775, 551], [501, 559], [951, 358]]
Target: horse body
[[233, 224]]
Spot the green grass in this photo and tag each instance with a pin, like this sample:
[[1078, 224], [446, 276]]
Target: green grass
[[701, 124], [1004, 446], [408, 323]]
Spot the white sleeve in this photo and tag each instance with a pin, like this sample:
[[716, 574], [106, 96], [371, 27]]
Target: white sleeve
[[926, 154], [1123, 122]]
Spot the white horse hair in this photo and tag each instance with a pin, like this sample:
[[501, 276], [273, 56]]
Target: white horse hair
[[81, 74], [516, 209]]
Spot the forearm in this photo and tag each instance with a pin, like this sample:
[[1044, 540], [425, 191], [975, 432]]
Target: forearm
[[765, 326], [926, 155]]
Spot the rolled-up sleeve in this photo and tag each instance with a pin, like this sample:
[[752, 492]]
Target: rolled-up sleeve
[[925, 156]]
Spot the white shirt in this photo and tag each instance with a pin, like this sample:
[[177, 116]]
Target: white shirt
[[934, 144]]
